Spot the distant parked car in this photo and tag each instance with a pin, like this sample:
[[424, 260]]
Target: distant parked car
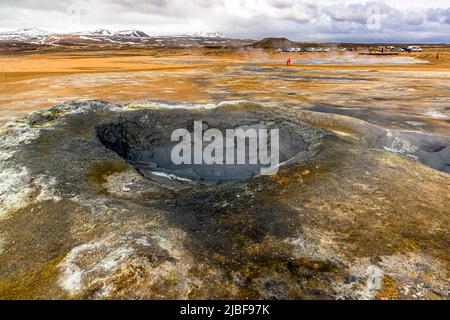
[[414, 49]]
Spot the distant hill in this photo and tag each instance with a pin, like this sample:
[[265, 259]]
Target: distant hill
[[273, 43], [37, 34], [25, 35], [33, 38]]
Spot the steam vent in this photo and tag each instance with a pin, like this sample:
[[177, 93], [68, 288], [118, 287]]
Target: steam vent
[[92, 207]]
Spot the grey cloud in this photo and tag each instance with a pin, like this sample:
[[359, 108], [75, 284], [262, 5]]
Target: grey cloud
[[299, 19], [41, 5], [439, 15], [358, 13]]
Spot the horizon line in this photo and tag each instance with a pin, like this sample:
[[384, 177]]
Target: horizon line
[[113, 30]]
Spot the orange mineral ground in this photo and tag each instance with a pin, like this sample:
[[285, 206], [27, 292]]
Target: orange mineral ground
[[92, 206], [409, 91]]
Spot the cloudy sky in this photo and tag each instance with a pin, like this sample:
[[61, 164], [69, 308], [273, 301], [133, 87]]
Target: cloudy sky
[[318, 20]]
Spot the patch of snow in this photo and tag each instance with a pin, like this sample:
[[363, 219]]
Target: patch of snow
[[26, 32], [132, 34], [27, 35], [216, 35], [101, 32], [91, 39]]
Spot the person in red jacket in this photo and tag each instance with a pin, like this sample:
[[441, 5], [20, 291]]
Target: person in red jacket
[[289, 62]]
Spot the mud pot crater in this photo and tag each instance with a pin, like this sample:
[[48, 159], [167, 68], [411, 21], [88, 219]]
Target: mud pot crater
[[143, 139]]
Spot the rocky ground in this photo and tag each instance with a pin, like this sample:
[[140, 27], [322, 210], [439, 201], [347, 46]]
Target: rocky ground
[[348, 219]]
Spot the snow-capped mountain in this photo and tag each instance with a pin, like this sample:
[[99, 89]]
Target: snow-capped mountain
[[37, 34], [209, 35], [25, 35], [132, 34], [109, 33], [104, 37], [100, 32]]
